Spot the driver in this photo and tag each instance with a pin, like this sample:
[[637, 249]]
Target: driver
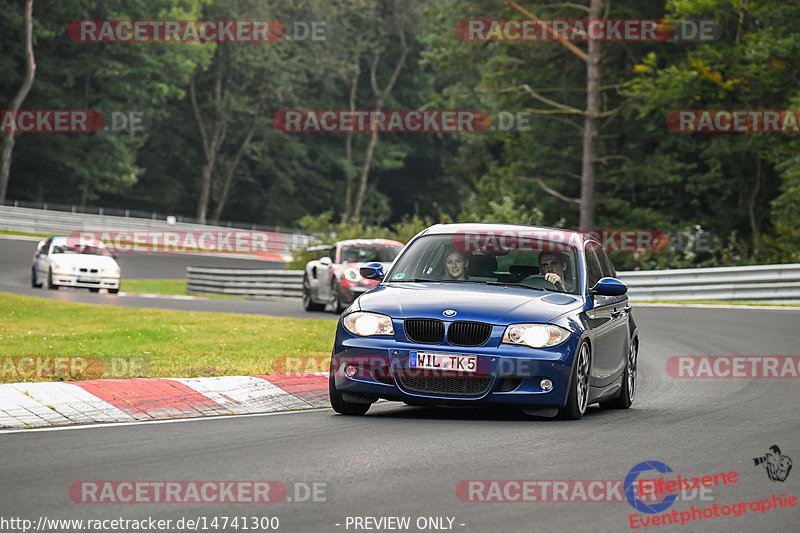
[[554, 266], [456, 265]]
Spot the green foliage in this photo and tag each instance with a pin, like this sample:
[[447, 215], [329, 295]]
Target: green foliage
[[744, 188]]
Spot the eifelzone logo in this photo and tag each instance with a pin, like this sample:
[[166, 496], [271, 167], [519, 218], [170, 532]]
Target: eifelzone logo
[[777, 466]]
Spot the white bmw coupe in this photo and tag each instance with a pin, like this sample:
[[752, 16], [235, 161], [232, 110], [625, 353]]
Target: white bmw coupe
[[72, 262]]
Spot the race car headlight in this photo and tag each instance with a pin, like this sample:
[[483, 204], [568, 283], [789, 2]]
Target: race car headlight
[[367, 324], [535, 335], [56, 267], [352, 274]]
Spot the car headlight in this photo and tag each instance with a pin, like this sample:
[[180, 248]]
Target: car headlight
[[367, 324], [535, 335], [56, 267], [352, 274]]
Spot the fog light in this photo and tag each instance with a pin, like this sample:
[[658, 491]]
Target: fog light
[[350, 370], [546, 384]]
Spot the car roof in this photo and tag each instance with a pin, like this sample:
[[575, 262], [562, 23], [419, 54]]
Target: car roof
[[92, 242], [368, 242], [576, 237]]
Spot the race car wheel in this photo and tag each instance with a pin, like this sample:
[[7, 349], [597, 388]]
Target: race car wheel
[[50, 284], [308, 303], [578, 398], [344, 407], [336, 304]]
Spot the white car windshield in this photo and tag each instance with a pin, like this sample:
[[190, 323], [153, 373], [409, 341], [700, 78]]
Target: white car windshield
[[510, 261], [368, 254], [65, 247]]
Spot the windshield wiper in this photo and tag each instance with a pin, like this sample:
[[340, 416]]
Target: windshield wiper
[[501, 284], [427, 280]]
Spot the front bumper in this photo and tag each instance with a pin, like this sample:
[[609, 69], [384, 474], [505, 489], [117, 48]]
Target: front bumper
[[506, 374], [75, 280]]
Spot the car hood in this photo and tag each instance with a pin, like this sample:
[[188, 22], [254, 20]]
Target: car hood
[[481, 303], [84, 261]]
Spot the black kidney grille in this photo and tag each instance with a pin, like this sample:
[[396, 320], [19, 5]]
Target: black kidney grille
[[447, 385], [424, 330], [468, 333]]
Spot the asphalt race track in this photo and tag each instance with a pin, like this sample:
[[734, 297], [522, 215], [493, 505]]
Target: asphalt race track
[[15, 271], [407, 461]]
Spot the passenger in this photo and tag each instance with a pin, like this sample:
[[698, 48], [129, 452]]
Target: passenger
[[456, 265], [554, 266]]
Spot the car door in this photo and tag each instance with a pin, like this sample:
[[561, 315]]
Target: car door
[[43, 261], [620, 317], [322, 274], [606, 319]]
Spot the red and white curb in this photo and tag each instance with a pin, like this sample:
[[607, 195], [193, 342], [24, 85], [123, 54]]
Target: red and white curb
[[24, 405]]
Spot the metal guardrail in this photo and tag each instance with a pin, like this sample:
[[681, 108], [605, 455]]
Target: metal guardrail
[[763, 283], [252, 283], [63, 222]]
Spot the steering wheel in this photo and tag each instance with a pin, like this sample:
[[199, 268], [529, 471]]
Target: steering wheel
[[537, 281]]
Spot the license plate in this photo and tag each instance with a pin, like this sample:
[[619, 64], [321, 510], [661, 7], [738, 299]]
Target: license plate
[[443, 361], [89, 279]]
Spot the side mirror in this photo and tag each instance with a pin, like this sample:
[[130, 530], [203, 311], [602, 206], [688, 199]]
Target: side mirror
[[609, 287], [372, 271], [327, 261]]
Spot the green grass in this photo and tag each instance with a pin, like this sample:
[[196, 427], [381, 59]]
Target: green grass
[[42, 236], [157, 342], [709, 302], [154, 286]]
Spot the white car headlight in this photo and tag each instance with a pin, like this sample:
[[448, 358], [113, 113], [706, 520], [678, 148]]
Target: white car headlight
[[366, 324], [535, 335], [56, 267], [352, 274]]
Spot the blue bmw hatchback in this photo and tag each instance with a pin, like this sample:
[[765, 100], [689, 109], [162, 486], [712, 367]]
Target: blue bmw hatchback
[[482, 314]]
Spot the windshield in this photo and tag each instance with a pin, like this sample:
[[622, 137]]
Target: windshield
[[369, 254], [67, 247], [445, 258]]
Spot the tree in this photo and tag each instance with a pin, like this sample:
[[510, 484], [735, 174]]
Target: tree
[[16, 102]]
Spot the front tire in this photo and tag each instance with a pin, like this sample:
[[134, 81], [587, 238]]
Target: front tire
[[628, 391], [336, 305], [578, 398], [341, 406], [50, 284], [308, 303], [113, 291], [92, 289]]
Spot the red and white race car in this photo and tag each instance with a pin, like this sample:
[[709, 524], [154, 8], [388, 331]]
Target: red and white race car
[[334, 279]]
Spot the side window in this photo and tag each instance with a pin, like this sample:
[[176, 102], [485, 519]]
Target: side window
[[46, 247], [605, 264], [593, 270], [332, 254]]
